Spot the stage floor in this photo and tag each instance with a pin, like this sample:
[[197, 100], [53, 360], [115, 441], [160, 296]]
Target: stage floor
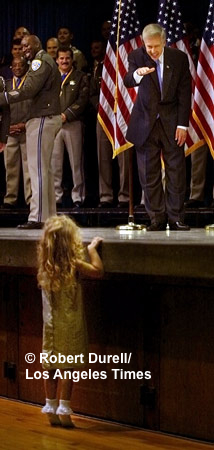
[[23, 426], [99, 217], [165, 253]]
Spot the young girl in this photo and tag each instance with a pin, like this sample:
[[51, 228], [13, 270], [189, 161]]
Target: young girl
[[61, 261]]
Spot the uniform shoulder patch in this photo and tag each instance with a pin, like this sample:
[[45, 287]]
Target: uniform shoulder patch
[[36, 64]]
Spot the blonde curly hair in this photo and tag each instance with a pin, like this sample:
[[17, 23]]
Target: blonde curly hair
[[58, 250]]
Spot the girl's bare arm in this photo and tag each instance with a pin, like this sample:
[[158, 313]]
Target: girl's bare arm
[[94, 268]]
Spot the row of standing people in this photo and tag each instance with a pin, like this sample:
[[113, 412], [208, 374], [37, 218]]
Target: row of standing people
[[73, 128], [74, 97]]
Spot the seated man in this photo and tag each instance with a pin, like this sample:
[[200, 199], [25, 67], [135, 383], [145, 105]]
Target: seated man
[[15, 154], [73, 99]]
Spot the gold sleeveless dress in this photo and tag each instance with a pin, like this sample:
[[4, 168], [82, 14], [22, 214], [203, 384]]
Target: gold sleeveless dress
[[64, 327]]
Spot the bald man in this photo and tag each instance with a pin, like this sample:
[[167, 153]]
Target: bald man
[[52, 46], [42, 85]]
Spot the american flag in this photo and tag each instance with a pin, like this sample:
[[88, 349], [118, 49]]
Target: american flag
[[116, 101], [203, 108], [170, 18]]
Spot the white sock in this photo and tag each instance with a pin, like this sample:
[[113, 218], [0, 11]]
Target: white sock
[[50, 406], [64, 407], [65, 403], [52, 402]]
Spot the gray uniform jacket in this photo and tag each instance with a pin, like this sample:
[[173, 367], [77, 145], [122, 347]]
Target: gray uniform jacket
[[19, 112], [74, 95], [42, 84], [4, 116], [95, 83]]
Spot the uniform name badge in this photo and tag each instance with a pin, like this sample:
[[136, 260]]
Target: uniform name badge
[[36, 64]]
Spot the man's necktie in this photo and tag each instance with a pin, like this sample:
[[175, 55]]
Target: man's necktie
[[18, 81], [63, 76], [159, 74]]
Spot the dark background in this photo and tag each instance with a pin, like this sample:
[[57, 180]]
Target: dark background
[[84, 17]]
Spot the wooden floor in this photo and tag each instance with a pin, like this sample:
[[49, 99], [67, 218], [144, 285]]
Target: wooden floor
[[22, 426]]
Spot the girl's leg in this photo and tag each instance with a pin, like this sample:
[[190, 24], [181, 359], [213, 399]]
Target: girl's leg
[[65, 385], [50, 385], [50, 407], [65, 389]]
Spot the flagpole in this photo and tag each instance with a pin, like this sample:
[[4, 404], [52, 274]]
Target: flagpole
[[131, 224], [117, 51], [115, 105]]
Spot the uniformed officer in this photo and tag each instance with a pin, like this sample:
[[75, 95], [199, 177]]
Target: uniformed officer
[[42, 84], [15, 154], [52, 45], [65, 37], [73, 99]]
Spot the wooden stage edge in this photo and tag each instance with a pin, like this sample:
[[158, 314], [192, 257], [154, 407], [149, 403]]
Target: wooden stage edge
[[154, 302], [167, 253], [23, 426]]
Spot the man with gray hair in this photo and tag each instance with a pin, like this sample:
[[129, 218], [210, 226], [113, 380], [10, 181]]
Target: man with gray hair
[[158, 125]]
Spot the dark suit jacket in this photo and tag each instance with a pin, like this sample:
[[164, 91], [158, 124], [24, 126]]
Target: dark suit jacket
[[174, 106]]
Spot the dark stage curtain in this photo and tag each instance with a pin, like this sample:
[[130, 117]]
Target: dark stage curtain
[[84, 17], [44, 17]]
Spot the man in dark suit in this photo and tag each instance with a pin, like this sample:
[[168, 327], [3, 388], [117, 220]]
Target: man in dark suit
[[158, 125]]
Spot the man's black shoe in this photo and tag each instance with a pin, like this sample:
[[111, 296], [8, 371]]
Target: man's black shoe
[[194, 204], [178, 226], [156, 226], [8, 206], [31, 226], [106, 205], [140, 206], [123, 205], [77, 204]]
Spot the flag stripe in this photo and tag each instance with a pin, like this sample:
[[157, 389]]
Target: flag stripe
[[207, 100], [203, 124], [170, 18], [206, 66], [203, 107], [116, 101]]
